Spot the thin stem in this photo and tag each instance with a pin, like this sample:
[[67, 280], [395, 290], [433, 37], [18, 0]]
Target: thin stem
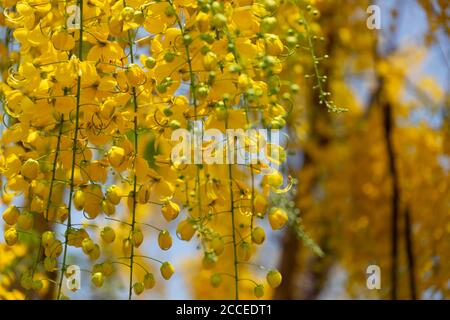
[[194, 101], [74, 152], [230, 178], [319, 78], [135, 132], [52, 181], [39, 252]]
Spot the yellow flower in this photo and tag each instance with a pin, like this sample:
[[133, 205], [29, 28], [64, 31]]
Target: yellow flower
[[108, 53], [30, 169], [93, 200], [138, 288], [135, 75], [11, 236], [216, 280], [63, 41], [202, 21], [108, 208], [98, 279], [76, 237], [113, 194], [167, 270], [79, 199], [277, 218], [275, 179], [25, 221], [273, 44], [274, 278], [48, 237], [11, 214], [12, 165], [149, 281], [170, 210], [87, 245], [138, 238], [244, 251], [108, 235], [185, 230], [164, 240], [258, 235], [218, 245], [117, 158]]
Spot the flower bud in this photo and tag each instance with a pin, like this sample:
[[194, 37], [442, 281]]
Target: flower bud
[[108, 208], [108, 235], [164, 240], [11, 236], [167, 270], [97, 279], [79, 199], [202, 21], [116, 157], [87, 245], [48, 237], [275, 179], [259, 291], [127, 14], [170, 210], [277, 218], [54, 250], [135, 75], [216, 280], [219, 20], [150, 62], [30, 169], [274, 278], [25, 221], [113, 194], [11, 214], [258, 235], [244, 251], [149, 281], [138, 288], [138, 238], [218, 245], [210, 61], [185, 230]]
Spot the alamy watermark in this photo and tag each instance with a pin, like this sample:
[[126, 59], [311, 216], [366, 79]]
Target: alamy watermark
[[373, 22], [234, 146], [373, 272], [73, 276]]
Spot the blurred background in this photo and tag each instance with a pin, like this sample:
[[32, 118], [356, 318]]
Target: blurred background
[[373, 182]]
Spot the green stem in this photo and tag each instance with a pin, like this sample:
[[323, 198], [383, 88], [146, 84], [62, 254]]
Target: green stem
[[39, 253], [74, 153], [233, 226], [319, 78], [52, 181], [135, 131], [194, 101]]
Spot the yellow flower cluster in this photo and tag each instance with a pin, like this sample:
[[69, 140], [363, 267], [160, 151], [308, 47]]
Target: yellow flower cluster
[[94, 90]]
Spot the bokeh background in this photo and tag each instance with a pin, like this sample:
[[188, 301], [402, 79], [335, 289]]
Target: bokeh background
[[384, 163]]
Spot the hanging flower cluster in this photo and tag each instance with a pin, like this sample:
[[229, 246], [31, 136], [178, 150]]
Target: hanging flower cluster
[[93, 92]]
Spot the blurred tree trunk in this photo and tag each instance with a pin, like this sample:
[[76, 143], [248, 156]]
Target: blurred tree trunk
[[410, 254], [388, 126]]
